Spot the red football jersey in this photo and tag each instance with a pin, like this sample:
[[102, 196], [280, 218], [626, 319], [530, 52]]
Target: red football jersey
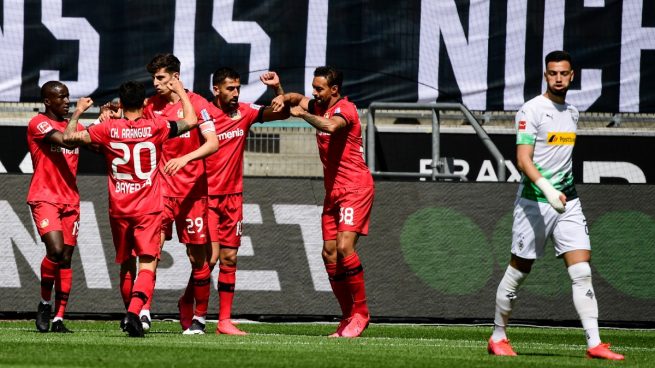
[[132, 152], [342, 152], [225, 167], [191, 180], [55, 168]]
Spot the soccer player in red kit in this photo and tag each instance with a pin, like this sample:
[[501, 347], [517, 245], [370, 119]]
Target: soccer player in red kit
[[54, 201], [349, 190], [132, 147], [184, 184], [225, 176]]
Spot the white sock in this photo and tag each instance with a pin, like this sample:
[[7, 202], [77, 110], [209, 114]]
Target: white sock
[[200, 319], [145, 312], [57, 319], [585, 302], [45, 301], [505, 296]]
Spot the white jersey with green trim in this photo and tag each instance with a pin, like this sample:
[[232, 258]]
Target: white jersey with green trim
[[551, 128]]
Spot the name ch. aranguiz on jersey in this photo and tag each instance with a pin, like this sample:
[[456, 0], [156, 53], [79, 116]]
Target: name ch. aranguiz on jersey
[[144, 132]]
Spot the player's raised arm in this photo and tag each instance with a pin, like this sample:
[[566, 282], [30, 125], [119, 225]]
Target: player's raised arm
[[271, 79], [271, 113], [71, 136], [189, 119]]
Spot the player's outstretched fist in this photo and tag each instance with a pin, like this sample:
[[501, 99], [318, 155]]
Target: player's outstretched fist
[[108, 111], [297, 111], [277, 103], [83, 104], [270, 78]]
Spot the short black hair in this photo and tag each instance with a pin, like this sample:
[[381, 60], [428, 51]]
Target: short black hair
[[49, 86], [167, 61], [132, 95], [557, 56], [334, 76], [222, 74]]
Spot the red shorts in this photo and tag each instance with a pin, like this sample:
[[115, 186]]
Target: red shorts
[[57, 217], [225, 219], [190, 217], [347, 209], [138, 236]]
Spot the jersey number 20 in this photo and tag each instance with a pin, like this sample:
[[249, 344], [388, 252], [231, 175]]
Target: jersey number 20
[[136, 152]]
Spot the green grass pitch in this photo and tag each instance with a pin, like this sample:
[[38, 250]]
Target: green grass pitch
[[101, 344]]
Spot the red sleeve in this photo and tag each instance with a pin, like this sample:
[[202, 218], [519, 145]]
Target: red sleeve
[[253, 113], [39, 127], [97, 133], [163, 127], [201, 106], [348, 112]]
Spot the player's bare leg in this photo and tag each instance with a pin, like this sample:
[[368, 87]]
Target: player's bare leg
[[226, 282], [584, 300], [506, 294], [199, 285], [348, 258], [212, 252]]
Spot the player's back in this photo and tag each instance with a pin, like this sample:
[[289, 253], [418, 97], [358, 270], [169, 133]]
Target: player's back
[[132, 150]]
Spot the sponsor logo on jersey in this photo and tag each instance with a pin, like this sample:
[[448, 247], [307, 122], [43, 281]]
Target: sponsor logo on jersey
[[238, 132], [44, 223], [561, 139], [522, 125], [44, 127], [65, 151]]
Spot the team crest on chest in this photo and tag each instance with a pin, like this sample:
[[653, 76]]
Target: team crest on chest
[[180, 113], [44, 223], [326, 115], [236, 115]]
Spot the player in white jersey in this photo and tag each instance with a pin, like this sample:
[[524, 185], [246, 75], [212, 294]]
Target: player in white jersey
[[547, 205]]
